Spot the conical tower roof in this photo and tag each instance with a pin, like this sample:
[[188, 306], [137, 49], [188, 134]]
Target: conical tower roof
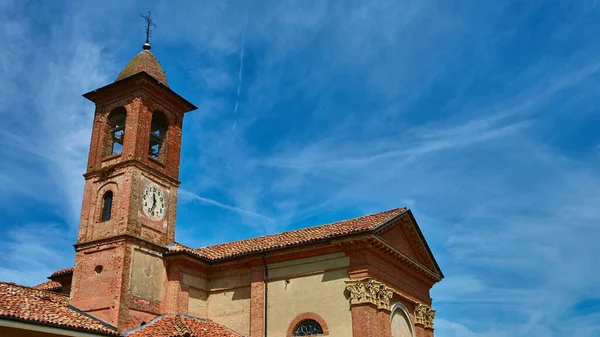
[[144, 61]]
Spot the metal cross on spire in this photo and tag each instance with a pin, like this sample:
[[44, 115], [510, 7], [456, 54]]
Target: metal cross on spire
[[149, 23]]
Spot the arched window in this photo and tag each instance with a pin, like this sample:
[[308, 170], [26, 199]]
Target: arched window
[[158, 132], [402, 325], [308, 327], [116, 125], [107, 205]]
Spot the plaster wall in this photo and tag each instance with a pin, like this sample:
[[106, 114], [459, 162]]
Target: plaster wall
[[197, 302], [147, 275], [198, 294], [311, 285], [231, 308], [223, 298], [194, 281]]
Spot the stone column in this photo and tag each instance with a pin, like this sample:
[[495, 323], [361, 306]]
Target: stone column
[[370, 306]]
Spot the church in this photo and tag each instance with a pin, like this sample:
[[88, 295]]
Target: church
[[361, 277]]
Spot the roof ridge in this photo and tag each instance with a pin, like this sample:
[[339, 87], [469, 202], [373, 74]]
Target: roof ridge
[[87, 314], [48, 285], [207, 320], [301, 236], [32, 288], [181, 329], [47, 308], [154, 320], [61, 272], [180, 325], [302, 228]]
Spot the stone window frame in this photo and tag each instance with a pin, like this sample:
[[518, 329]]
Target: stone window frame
[[401, 307], [304, 316]]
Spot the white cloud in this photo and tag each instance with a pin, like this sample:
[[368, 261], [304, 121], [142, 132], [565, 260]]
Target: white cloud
[[33, 251], [343, 108]]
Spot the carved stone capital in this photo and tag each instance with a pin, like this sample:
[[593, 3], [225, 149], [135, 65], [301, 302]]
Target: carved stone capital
[[367, 290], [424, 316]]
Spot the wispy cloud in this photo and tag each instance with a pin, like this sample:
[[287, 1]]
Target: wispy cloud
[[192, 196], [476, 115], [33, 251], [45, 138]]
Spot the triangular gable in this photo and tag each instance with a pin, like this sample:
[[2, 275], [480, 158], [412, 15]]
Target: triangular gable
[[404, 235]]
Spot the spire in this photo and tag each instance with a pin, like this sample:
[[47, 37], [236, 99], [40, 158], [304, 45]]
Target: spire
[[145, 61]]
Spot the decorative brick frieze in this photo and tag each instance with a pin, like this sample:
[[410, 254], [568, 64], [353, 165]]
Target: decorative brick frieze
[[367, 290]]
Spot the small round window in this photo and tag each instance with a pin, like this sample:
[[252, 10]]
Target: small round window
[[308, 327]]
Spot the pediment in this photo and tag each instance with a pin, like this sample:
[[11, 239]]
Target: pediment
[[404, 235]]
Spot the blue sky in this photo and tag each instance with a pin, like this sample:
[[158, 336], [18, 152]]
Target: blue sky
[[480, 116]]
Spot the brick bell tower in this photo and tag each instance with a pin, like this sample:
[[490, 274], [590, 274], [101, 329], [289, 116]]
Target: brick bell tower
[[130, 195]]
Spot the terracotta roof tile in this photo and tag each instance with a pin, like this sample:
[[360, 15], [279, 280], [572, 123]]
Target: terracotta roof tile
[[291, 238], [61, 272], [46, 308], [144, 61], [48, 285], [181, 325]]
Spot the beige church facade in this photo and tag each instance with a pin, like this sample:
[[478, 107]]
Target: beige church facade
[[367, 276]]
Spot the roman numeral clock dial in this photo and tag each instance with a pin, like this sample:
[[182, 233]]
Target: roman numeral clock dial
[[154, 203]]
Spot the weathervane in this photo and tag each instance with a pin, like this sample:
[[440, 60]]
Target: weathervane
[[148, 29]]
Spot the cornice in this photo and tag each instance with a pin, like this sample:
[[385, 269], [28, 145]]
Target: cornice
[[416, 236], [140, 81], [382, 246], [132, 163], [121, 238]]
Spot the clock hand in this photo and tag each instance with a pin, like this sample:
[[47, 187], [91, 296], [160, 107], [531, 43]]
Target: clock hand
[[153, 203]]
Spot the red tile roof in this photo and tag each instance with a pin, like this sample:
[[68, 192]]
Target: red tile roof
[[291, 238], [46, 308], [48, 285], [61, 272], [181, 325]]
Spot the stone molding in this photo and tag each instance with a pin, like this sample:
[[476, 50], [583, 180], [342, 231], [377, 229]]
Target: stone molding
[[367, 290], [424, 316]]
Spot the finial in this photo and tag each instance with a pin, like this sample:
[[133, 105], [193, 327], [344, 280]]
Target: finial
[[148, 29]]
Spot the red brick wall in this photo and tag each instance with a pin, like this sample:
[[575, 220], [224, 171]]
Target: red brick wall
[[395, 237], [409, 287], [95, 291], [257, 303], [110, 243]]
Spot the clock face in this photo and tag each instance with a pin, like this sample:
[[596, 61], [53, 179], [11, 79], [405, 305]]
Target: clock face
[[154, 202]]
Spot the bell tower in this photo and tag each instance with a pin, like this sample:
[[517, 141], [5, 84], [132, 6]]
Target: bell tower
[[130, 195]]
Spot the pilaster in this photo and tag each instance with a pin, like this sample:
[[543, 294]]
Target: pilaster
[[257, 302], [423, 317], [370, 307]]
